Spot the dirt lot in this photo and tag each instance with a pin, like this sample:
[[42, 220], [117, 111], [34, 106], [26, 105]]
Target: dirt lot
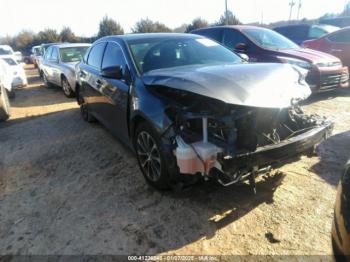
[[69, 187]]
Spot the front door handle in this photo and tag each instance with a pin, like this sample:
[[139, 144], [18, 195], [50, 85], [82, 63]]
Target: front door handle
[[99, 83], [336, 50]]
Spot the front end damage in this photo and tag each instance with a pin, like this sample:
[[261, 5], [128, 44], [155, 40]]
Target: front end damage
[[233, 122], [232, 143]]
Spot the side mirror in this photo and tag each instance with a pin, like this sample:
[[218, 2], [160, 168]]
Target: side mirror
[[244, 57], [241, 47], [113, 72]]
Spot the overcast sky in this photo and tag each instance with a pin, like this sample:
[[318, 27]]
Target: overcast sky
[[83, 16]]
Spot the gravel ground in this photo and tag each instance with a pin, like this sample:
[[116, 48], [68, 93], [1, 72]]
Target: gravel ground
[[68, 187]]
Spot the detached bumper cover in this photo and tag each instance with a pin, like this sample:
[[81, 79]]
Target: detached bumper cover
[[273, 155]]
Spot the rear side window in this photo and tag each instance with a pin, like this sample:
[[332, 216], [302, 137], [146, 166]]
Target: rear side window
[[234, 37], [294, 32], [95, 55], [340, 37], [213, 33], [113, 56]]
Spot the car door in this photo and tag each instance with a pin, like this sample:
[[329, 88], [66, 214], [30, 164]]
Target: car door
[[338, 44], [45, 64], [115, 92], [90, 79], [54, 67], [231, 38]]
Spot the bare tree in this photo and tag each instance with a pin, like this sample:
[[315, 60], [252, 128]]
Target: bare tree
[[148, 26]]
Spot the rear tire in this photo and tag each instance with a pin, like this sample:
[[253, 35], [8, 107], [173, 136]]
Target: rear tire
[[11, 94], [84, 109], [67, 90], [150, 156], [4, 104]]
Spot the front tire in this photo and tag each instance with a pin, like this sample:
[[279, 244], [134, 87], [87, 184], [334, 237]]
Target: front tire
[[4, 104], [67, 90], [150, 157], [46, 81], [84, 109]]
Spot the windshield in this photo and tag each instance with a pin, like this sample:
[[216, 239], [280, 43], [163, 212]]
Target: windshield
[[152, 54], [73, 54], [269, 39], [5, 51], [10, 61]]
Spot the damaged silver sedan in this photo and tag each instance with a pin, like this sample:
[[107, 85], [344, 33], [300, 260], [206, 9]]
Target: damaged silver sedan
[[189, 107]]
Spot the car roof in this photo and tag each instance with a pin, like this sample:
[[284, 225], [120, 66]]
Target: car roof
[[237, 27], [133, 37], [293, 25], [67, 45]]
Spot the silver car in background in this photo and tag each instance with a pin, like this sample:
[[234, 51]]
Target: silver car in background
[[58, 65]]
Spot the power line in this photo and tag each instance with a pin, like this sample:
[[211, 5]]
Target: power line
[[291, 4], [299, 8]]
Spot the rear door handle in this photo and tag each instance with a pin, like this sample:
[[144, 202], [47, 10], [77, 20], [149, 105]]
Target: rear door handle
[[99, 83], [336, 50]]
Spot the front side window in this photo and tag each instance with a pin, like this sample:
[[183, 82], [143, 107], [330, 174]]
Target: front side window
[[95, 55], [152, 54], [269, 39], [232, 38], [54, 55], [113, 56], [73, 54], [48, 53]]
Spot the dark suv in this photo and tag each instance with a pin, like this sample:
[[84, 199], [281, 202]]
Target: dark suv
[[267, 46], [302, 32]]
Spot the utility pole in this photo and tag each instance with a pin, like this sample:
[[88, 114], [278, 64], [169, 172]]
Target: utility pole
[[226, 13], [299, 8], [292, 4]]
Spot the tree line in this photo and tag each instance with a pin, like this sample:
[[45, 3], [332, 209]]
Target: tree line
[[25, 40]]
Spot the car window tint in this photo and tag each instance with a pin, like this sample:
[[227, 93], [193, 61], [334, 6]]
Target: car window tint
[[316, 32], [54, 54], [340, 37], [294, 32], [48, 53], [113, 56], [213, 33], [95, 55], [232, 38]]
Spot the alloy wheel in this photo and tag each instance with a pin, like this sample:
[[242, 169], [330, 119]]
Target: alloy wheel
[[149, 156], [66, 87]]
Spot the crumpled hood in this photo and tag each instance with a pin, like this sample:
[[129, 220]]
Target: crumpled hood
[[256, 85]]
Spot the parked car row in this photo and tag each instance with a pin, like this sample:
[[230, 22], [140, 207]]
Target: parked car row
[[57, 67], [264, 45]]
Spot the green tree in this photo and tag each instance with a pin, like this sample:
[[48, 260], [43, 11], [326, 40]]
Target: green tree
[[67, 35], [109, 26], [231, 19], [148, 26], [197, 24]]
